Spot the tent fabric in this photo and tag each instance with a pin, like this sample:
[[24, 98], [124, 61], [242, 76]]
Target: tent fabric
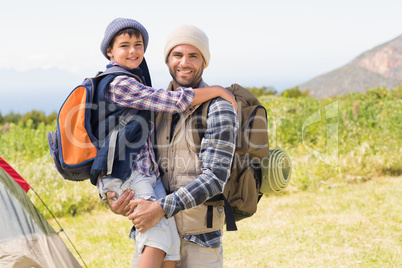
[[37, 251], [26, 238], [14, 174], [18, 215]]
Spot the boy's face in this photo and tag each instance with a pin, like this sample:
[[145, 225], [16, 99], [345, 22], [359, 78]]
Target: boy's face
[[127, 51], [186, 65]]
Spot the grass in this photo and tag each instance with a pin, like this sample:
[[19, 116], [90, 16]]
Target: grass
[[355, 224], [350, 225], [100, 237]]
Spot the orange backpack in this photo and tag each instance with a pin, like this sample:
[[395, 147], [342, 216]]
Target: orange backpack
[[73, 146]]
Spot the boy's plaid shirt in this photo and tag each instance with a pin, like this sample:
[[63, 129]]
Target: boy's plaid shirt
[[216, 154]]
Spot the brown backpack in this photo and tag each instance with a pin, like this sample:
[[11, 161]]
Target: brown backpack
[[242, 190]]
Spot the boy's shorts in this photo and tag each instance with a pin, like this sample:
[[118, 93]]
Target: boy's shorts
[[162, 237], [164, 234]]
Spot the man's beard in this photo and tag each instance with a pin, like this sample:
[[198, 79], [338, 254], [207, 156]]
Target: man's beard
[[191, 82]]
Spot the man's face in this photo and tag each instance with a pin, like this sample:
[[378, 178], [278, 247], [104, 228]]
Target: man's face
[[186, 65]]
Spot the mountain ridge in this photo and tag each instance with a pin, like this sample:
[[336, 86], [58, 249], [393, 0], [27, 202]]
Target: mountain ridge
[[379, 66]]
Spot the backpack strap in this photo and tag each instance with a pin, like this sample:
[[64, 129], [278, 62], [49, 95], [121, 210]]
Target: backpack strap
[[200, 123], [111, 70], [129, 114], [145, 76], [229, 216], [117, 69]]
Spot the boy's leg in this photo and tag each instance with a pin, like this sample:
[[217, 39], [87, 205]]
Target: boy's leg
[[151, 257], [158, 238], [136, 258], [174, 250], [169, 264]]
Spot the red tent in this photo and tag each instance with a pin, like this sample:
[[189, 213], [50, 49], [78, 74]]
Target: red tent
[[26, 238], [14, 174]]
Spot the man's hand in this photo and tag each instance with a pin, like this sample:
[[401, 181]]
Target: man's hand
[[146, 214], [122, 205]]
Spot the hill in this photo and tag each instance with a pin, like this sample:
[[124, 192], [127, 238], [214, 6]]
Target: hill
[[380, 66]]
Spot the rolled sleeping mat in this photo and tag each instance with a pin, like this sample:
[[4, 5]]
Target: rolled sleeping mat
[[276, 171]]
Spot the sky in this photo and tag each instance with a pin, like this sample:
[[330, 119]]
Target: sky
[[252, 43]]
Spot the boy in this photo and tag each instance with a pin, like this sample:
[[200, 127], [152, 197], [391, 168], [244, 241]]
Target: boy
[[124, 44]]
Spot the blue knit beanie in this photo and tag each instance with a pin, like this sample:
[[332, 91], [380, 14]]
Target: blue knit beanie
[[120, 24]]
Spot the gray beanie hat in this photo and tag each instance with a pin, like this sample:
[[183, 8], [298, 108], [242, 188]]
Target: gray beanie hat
[[120, 24], [189, 35]]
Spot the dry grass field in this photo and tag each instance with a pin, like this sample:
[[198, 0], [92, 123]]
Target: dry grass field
[[340, 225]]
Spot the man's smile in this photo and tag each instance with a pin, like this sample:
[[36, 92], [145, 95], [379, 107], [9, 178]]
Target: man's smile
[[184, 71]]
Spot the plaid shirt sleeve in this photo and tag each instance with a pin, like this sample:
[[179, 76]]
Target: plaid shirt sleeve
[[128, 92], [217, 149]]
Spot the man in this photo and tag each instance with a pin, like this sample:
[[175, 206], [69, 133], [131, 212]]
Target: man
[[190, 178]]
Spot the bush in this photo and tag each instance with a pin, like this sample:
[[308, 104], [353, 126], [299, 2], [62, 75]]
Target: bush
[[294, 93], [262, 91], [35, 116], [369, 139]]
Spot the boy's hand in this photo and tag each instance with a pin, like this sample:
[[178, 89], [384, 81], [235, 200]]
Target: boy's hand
[[120, 206], [227, 95]]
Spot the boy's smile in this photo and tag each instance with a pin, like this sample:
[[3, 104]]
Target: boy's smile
[[127, 51]]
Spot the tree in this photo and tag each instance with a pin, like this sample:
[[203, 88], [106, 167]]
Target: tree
[[50, 118], [295, 92], [37, 117], [12, 118], [258, 92]]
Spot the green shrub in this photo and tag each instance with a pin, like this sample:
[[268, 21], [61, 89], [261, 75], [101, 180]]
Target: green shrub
[[294, 93]]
